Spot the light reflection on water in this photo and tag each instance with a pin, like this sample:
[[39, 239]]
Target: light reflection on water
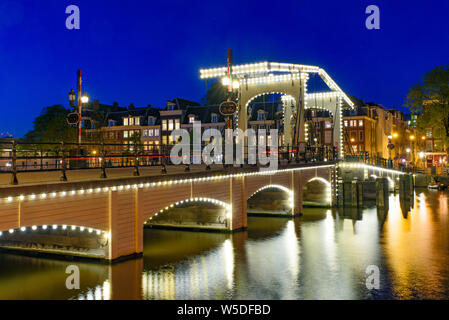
[[322, 255]]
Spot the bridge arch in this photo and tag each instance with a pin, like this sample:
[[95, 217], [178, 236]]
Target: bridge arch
[[317, 191], [56, 227], [260, 202], [204, 217]]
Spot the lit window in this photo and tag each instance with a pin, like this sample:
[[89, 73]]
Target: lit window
[[131, 121], [360, 123], [137, 121], [346, 123], [125, 134], [327, 124], [145, 133], [177, 124], [156, 132], [164, 125], [125, 121], [191, 119], [170, 124], [150, 132], [164, 139]]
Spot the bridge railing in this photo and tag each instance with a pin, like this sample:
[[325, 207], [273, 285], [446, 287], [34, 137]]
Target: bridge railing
[[17, 156], [378, 162]]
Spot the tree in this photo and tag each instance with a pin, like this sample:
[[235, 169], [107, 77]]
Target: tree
[[430, 101], [216, 94], [51, 126]]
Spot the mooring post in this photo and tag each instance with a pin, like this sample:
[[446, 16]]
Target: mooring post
[[382, 193], [14, 180], [63, 163]]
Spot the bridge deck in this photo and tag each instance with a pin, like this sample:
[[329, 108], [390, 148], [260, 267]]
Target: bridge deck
[[37, 182]]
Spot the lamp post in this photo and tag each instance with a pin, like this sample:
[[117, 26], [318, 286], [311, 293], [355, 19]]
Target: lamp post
[[80, 99], [412, 139]]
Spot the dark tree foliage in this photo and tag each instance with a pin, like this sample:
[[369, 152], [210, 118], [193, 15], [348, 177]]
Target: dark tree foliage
[[430, 101]]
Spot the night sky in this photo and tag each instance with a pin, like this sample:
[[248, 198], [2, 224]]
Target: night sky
[[146, 52]]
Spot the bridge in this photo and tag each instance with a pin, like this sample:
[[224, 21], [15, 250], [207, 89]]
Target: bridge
[[105, 218]]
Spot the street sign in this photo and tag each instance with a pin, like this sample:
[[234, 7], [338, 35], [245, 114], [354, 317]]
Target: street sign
[[73, 118], [227, 108]]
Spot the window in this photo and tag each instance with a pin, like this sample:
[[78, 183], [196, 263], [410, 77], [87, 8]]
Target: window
[[170, 139], [144, 133], [125, 121], [360, 123], [214, 118], [131, 121], [170, 107], [327, 124], [151, 121], [150, 132], [125, 134], [360, 135], [137, 121], [317, 124], [346, 123], [261, 116], [177, 124], [156, 132], [170, 124], [164, 139], [191, 119], [164, 125], [111, 123]]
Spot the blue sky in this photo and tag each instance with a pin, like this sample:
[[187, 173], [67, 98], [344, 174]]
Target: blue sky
[[146, 52]]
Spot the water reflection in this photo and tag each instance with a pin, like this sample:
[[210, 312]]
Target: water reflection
[[322, 255]]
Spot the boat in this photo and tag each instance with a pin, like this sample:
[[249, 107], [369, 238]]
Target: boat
[[435, 185]]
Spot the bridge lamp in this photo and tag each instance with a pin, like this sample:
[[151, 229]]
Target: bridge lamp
[[412, 137], [423, 138], [235, 84], [84, 98], [226, 81], [395, 135], [407, 150], [352, 139]]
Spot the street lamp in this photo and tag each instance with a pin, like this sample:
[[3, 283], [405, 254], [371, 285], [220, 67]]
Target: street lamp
[[72, 97], [84, 98]]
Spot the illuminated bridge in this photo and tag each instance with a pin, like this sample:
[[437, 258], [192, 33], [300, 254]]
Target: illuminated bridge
[[104, 219]]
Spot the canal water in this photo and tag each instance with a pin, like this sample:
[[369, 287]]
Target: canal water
[[322, 255]]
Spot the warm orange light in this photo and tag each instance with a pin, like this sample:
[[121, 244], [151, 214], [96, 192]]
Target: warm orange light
[[412, 137], [423, 137], [395, 135], [352, 139]]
